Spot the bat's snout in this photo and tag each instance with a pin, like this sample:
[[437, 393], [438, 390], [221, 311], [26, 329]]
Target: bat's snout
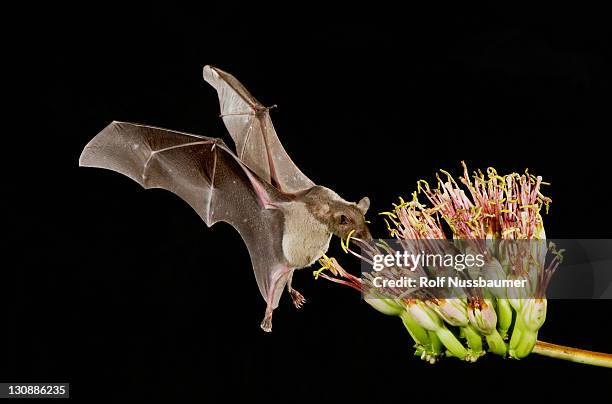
[[363, 234]]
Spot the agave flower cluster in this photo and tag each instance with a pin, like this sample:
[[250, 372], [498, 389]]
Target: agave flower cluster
[[498, 216]]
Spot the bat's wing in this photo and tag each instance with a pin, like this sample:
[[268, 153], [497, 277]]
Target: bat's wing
[[206, 174], [257, 144]]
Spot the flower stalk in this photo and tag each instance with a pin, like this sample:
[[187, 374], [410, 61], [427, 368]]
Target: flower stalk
[[573, 354]]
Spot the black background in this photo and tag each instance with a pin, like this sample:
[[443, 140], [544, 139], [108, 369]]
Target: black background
[[125, 292]]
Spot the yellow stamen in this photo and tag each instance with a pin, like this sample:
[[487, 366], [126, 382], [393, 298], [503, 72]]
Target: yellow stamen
[[419, 185], [345, 244], [390, 214]]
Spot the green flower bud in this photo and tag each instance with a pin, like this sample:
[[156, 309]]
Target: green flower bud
[[453, 311], [534, 313], [482, 315], [423, 315], [389, 307], [504, 316]]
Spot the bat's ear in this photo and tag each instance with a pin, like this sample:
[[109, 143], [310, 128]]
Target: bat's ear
[[322, 209], [364, 204]]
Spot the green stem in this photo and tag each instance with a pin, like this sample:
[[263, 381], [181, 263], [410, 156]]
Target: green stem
[[496, 343], [528, 340], [451, 342], [474, 340], [573, 354], [504, 316], [517, 332], [418, 333], [436, 346]]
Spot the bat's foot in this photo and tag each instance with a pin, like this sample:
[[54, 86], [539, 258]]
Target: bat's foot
[[266, 323], [297, 297]]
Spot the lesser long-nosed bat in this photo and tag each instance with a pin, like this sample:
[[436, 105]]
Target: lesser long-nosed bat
[[285, 219]]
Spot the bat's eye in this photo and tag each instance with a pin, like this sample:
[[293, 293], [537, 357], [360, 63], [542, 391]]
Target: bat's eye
[[343, 219]]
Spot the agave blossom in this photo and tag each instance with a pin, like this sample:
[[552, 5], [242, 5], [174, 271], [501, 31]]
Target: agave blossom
[[496, 216]]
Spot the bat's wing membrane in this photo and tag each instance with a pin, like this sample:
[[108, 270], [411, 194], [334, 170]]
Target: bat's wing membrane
[[207, 175], [251, 128]]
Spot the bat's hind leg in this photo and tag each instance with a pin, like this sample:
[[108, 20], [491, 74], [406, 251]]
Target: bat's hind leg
[[266, 323], [279, 281], [297, 298]]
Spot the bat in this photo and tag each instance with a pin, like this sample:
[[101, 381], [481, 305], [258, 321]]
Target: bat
[[285, 219]]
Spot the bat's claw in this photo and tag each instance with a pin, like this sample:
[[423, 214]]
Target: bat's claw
[[298, 298], [266, 323]]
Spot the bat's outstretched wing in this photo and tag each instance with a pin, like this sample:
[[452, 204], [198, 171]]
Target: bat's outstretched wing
[[206, 174], [257, 144]]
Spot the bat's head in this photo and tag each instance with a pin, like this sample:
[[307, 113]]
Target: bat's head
[[347, 217], [341, 217]]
